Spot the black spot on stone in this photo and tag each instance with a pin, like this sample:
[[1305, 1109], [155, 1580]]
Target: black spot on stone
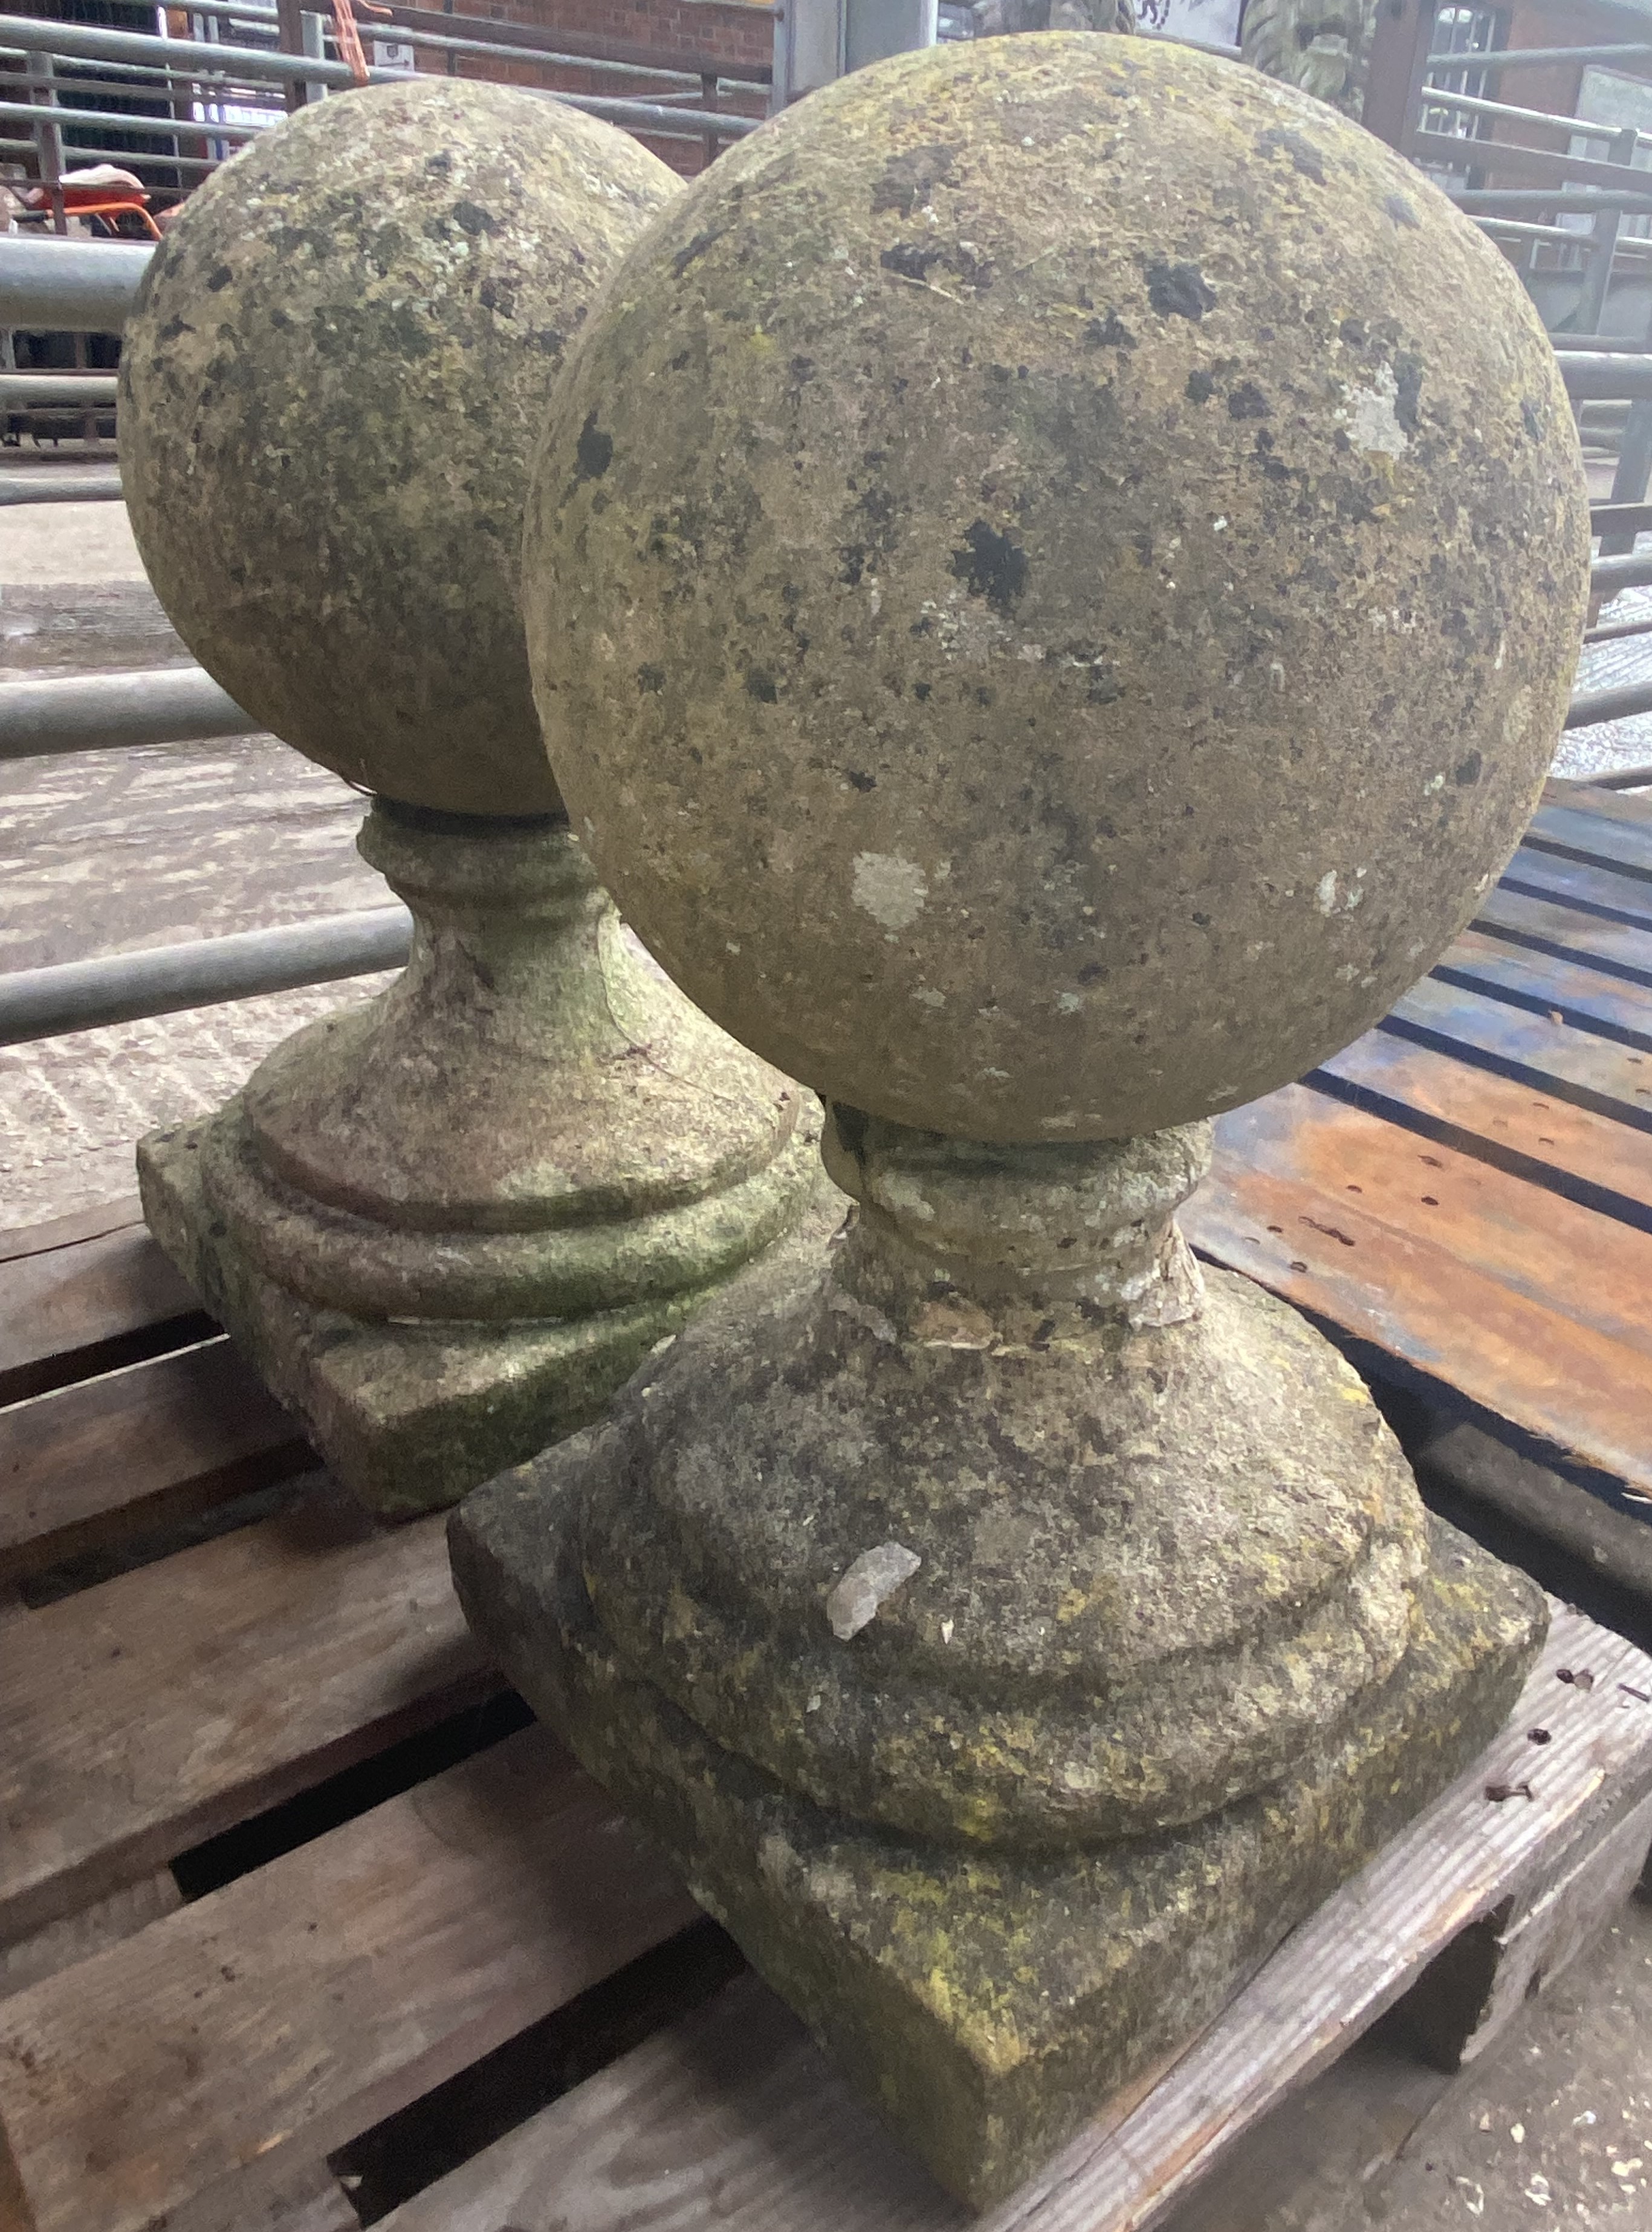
[[696, 248], [920, 691], [911, 178], [437, 166], [862, 782], [1103, 688], [651, 680], [549, 342], [1531, 419], [498, 295], [759, 684], [1352, 330], [596, 451], [1001, 372], [1306, 159], [1247, 401], [1110, 332], [680, 361], [174, 327], [991, 565], [909, 259], [471, 217], [220, 279], [1466, 771], [853, 565], [802, 369], [1200, 386], [983, 696], [1092, 972], [1401, 212], [1180, 291]]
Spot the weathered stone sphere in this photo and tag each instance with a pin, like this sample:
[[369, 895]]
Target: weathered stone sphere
[[331, 384], [1052, 582]]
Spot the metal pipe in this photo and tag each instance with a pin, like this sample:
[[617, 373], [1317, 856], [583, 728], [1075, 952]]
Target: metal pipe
[[68, 286], [1477, 106], [130, 156], [87, 995], [106, 712], [1488, 201], [1608, 575], [30, 390], [1606, 376], [1589, 706], [47, 485], [149, 127], [1502, 58], [84, 43], [1618, 630]]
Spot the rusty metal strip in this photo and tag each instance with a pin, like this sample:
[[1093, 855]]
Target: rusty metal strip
[[1532, 1052], [1545, 985]]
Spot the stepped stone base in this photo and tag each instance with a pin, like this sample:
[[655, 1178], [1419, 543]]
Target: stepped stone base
[[408, 1415], [987, 2005]]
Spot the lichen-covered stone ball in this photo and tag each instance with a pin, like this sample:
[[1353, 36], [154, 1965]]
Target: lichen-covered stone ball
[[1052, 582], [331, 384]]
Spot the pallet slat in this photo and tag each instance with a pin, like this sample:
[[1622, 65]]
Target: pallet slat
[[136, 1447], [1614, 948], [1614, 831], [77, 1292], [1575, 1144], [1525, 1359], [734, 2120], [1553, 1057], [1585, 885], [158, 1707], [172, 2076], [1544, 984]]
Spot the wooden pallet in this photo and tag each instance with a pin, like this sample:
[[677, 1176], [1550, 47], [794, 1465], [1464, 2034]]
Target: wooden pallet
[[257, 1902], [1465, 1194]]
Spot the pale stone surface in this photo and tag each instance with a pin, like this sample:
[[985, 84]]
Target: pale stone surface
[[1072, 539], [330, 385]]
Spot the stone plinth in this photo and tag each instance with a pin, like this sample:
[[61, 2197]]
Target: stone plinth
[[447, 1224]]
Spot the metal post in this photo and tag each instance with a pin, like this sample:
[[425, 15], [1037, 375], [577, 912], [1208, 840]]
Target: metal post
[[1399, 58], [315, 38], [1597, 266], [290, 38], [48, 138]]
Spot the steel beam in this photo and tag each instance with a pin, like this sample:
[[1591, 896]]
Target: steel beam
[[28, 391], [47, 484]]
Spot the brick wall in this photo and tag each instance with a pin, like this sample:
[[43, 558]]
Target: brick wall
[[678, 32]]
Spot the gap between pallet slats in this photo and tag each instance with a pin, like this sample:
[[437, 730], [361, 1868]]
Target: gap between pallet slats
[[84, 1293], [160, 1707], [135, 1447], [1586, 1157]]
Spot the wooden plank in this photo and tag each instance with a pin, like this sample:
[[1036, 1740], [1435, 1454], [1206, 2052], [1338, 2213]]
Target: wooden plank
[[61, 1944], [135, 1447], [1571, 1260], [1599, 804], [1612, 947], [160, 1708], [1587, 1156], [1585, 885], [1277, 1207], [733, 2119], [83, 1293], [1532, 1052], [168, 2079], [1620, 840], [1566, 991]]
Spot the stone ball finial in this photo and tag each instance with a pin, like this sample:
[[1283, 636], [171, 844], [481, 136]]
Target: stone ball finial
[[331, 384], [1052, 583]]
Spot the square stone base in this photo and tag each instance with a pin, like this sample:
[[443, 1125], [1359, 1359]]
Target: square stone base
[[407, 1416], [988, 2006]]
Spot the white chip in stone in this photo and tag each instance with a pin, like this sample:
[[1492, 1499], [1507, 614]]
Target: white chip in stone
[[874, 1575]]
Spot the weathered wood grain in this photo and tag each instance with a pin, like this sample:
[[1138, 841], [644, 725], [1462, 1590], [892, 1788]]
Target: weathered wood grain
[[1533, 1308], [734, 2120], [82, 1294], [158, 1707], [176, 2077], [1399, 1079], [135, 1447]]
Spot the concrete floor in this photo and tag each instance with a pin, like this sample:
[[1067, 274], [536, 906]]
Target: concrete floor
[[104, 851]]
